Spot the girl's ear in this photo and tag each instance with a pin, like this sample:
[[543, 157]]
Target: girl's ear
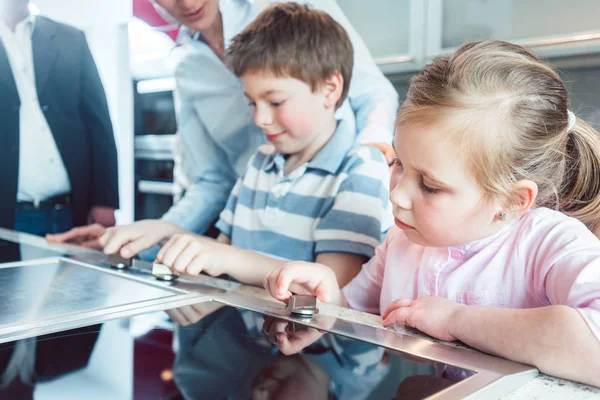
[[332, 88], [523, 196]]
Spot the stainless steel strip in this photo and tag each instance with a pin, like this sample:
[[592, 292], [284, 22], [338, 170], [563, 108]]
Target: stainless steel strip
[[495, 376], [394, 60]]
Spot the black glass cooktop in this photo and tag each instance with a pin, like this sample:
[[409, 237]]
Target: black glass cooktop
[[220, 353]]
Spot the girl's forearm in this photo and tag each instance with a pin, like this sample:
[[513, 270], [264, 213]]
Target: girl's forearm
[[555, 339]]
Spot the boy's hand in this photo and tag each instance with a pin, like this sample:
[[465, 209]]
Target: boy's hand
[[129, 240], [190, 254], [317, 279], [430, 315]]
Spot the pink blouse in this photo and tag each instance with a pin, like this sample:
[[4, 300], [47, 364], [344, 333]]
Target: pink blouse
[[540, 259]]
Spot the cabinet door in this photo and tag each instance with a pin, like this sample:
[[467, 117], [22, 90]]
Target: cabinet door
[[393, 30], [552, 28]]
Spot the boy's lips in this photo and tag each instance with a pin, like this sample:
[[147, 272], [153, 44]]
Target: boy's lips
[[271, 137], [402, 225]]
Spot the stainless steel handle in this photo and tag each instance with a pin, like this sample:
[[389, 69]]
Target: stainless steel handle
[[585, 37], [153, 187]]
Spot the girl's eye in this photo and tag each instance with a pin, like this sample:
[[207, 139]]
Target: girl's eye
[[252, 104], [396, 162], [276, 103], [428, 189]]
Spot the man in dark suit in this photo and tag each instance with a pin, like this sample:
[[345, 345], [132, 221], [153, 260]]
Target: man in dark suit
[[58, 159]]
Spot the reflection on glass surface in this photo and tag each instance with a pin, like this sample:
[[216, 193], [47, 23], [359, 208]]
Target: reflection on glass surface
[[13, 252], [30, 362], [223, 354]]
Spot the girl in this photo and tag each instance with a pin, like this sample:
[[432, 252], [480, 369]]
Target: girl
[[496, 194]]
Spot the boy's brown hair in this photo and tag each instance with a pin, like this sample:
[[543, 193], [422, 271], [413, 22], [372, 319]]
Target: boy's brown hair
[[289, 39]]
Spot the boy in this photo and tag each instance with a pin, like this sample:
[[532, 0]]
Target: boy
[[309, 194]]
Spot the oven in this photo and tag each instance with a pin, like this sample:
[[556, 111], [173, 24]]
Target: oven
[[153, 175]]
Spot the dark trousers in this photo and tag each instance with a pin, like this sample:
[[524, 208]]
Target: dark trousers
[[43, 221]]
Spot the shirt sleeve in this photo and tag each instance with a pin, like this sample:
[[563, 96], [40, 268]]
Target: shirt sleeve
[[568, 271], [225, 222], [211, 179], [353, 224], [363, 293], [372, 97]]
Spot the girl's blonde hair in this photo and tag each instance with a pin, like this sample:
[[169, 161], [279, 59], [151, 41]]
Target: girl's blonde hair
[[512, 112]]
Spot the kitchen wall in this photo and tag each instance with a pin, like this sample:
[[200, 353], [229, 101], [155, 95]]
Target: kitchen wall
[[583, 83]]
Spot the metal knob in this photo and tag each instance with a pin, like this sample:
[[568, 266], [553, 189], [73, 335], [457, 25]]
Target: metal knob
[[163, 273], [303, 305], [116, 261]]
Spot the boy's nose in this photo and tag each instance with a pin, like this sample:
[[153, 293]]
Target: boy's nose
[[262, 117]]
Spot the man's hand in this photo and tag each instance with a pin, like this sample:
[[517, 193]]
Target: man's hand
[[104, 216]]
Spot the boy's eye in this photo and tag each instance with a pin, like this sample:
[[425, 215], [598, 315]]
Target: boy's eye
[[252, 104], [277, 103], [428, 189], [396, 162]]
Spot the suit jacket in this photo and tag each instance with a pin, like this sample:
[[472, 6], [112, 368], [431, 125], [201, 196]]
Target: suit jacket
[[74, 103]]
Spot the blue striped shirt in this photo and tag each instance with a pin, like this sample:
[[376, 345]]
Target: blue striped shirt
[[334, 203]]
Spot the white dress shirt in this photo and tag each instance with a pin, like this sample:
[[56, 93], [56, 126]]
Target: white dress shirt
[[42, 173]]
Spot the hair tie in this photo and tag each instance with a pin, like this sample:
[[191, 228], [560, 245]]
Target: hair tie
[[572, 121]]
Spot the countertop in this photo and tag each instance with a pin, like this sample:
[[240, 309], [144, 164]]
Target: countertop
[[543, 387]]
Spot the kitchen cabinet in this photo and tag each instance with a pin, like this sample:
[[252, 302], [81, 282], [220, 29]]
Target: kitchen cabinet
[[552, 28], [393, 31], [403, 35]]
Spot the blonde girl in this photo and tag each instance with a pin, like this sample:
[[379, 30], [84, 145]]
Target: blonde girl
[[496, 197]]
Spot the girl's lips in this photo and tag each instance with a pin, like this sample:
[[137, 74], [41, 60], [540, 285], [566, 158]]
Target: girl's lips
[[402, 225], [196, 15]]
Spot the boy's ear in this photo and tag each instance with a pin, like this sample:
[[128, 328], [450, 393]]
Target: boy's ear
[[524, 193], [332, 88]]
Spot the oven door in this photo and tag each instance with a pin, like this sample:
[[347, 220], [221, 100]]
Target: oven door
[[153, 175]]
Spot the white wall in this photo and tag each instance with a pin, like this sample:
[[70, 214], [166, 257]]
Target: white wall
[[105, 24]]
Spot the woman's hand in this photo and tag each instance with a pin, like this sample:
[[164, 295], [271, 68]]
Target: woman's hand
[[387, 150], [86, 236], [191, 254], [129, 240], [430, 315], [316, 279]]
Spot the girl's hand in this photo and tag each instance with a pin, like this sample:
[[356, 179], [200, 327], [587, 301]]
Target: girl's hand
[[190, 254], [317, 279], [431, 315], [289, 340]]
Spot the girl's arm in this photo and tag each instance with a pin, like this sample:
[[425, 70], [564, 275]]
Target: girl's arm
[[555, 339]]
